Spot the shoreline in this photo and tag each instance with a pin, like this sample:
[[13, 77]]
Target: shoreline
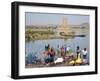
[[53, 65]]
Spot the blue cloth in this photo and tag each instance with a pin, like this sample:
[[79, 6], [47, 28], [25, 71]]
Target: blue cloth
[[65, 49], [49, 59], [29, 59]]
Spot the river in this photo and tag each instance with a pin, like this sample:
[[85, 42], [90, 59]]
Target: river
[[38, 46]]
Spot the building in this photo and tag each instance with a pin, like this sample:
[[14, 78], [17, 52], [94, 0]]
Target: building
[[63, 29]]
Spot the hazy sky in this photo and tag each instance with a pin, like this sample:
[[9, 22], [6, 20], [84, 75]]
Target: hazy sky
[[45, 18]]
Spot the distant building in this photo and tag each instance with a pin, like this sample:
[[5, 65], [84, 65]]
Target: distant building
[[63, 28]]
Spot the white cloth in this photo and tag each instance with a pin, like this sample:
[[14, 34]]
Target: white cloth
[[59, 60], [84, 52]]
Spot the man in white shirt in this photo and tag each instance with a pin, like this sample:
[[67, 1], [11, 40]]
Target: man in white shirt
[[84, 52]]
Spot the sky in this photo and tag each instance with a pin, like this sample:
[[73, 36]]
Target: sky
[[32, 18]]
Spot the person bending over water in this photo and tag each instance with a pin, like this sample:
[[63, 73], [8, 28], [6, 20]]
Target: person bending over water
[[49, 56]]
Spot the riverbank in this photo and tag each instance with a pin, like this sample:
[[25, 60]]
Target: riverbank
[[69, 61], [45, 37], [53, 65]]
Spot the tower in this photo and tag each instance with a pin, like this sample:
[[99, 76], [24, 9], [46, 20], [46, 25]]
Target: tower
[[64, 26]]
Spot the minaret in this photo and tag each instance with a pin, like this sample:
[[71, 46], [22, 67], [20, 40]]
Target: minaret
[[65, 25]]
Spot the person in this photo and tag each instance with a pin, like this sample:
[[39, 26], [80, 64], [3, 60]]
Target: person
[[69, 51], [65, 49], [58, 50], [78, 49], [62, 51], [63, 55], [84, 52], [46, 57], [79, 59], [51, 55], [47, 47]]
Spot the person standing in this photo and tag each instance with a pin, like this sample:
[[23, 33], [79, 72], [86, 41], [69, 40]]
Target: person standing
[[62, 51], [69, 51], [65, 49], [78, 59], [84, 53], [78, 49]]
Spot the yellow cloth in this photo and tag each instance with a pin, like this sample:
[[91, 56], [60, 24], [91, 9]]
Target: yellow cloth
[[72, 62], [79, 60]]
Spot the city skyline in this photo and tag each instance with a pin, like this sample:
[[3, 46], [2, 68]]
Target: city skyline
[[32, 18]]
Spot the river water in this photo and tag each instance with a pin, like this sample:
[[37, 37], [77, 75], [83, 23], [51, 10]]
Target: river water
[[38, 46]]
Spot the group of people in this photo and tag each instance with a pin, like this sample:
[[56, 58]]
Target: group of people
[[63, 52], [83, 52], [81, 57]]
